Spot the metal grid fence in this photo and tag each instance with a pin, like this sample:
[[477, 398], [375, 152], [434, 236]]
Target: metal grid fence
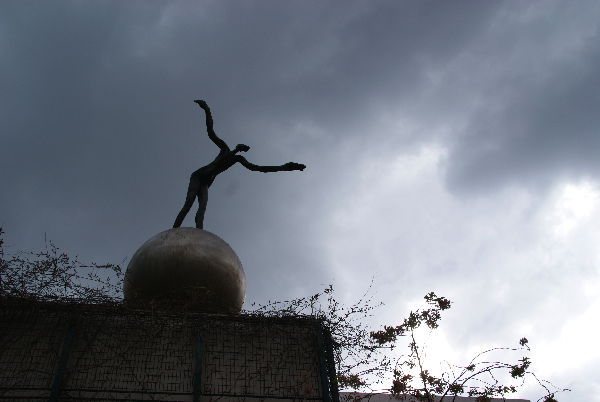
[[95, 353]]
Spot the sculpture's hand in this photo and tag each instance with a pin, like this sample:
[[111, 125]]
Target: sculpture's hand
[[201, 103], [294, 166]]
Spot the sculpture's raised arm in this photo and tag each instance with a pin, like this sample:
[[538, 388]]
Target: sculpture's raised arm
[[209, 126], [266, 169]]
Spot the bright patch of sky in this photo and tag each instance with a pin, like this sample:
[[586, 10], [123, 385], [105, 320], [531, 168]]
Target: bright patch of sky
[[534, 259]]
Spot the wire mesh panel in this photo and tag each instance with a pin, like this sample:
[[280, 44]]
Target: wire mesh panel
[[29, 347], [130, 357], [118, 354], [262, 359]]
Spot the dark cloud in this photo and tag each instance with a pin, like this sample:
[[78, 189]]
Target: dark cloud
[[99, 132], [537, 121], [98, 135]]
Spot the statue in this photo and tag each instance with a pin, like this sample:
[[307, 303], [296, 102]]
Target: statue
[[202, 178]]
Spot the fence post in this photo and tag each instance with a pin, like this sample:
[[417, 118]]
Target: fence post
[[323, 372], [62, 362], [335, 392], [198, 368]]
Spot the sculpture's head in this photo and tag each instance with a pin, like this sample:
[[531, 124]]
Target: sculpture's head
[[242, 148]]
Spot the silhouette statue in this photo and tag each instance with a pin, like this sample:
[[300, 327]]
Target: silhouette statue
[[202, 178]]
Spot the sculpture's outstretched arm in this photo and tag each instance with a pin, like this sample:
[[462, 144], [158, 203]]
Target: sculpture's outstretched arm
[[266, 169], [209, 126]]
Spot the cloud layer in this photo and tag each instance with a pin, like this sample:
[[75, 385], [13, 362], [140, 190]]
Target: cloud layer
[[450, 147]]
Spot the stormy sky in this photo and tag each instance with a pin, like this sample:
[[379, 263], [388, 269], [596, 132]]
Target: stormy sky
[[450, 146]]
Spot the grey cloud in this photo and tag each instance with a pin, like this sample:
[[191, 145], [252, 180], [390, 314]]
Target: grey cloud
[[541, 123], [99, 130]]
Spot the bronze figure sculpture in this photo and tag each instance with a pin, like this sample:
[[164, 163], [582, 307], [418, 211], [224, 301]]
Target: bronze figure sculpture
[[201, 179]]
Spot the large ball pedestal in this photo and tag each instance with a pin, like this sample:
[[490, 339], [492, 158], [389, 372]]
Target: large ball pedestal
[[185, 269]]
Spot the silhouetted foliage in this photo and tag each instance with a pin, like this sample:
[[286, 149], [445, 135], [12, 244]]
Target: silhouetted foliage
[[356, 358], [366, 360], [479, 378], [53, 275]]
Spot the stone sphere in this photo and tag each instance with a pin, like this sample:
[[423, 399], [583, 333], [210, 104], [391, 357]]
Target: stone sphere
[[186, 269]]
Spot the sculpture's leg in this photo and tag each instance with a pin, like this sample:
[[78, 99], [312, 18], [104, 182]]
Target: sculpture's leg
[[189, 201], [202, 201]]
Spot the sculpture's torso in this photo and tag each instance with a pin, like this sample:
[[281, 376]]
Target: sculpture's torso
[[206, 175]]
